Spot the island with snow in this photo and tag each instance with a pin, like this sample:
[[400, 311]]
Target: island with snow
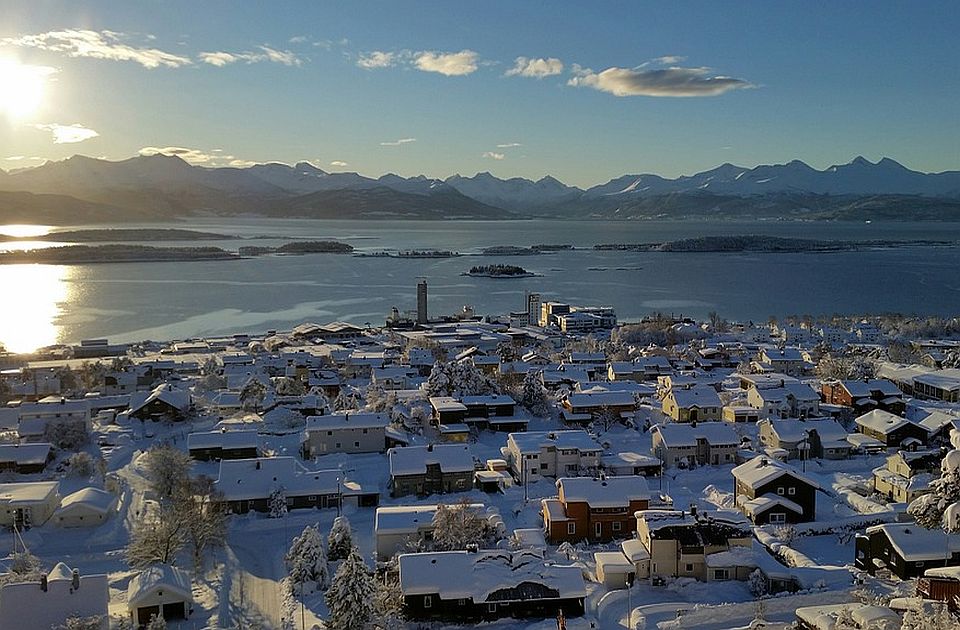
[[498, 271]]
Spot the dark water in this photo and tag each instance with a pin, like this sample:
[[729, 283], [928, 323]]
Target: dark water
[[175, 300]]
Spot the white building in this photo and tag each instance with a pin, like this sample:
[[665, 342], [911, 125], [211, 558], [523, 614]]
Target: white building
[[59, 595], [28, 504], [345, 432], [551, 454]]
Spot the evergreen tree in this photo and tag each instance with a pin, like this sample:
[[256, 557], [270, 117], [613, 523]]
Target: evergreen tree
[[533, 396], [351, 596], [939, 508], [278, 503], [306, 560], [340, 540]]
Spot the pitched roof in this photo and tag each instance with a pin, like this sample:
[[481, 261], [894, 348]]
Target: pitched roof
[[155, 577], [881, 421], [413, 460], [716, 433], [601, 493], [762, 470]]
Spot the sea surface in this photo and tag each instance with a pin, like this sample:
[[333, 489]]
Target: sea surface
[[47, 304]]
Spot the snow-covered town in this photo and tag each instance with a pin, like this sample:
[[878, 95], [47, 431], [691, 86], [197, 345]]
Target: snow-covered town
[[545, 469]]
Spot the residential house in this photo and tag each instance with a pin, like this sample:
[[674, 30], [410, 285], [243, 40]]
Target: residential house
[[251, 484], [783, 360], [29, 503], [471, 586], [907, 474], [695, 444], [87, 507], [36, 418], [941, 584], [535, 454], [625, 463], [696, 404], [431, 469], [792, 400], [397, 526], [58, 596], [223, 444], [393, 377], [492, 411], [159, 590], [345, 432], [164, 402], [680, 543], [447, 410], [588, 405], [865, 395], [890, 429], [805, 439], [905, 549], [768, 491], [597, 510], [740, 413], [25, 458]]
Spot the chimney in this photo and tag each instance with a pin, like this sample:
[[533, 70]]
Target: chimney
[[763, 462], [75, 580], [43, 583], [258, 464], [429, 448], [693, 511]]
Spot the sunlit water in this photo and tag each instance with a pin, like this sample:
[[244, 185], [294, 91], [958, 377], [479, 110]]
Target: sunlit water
[[135, 301]]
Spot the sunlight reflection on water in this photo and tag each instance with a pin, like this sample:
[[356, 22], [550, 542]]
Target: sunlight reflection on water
[[34, 295]]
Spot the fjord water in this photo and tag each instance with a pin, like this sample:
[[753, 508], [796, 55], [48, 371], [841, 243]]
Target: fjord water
[[136, 301]]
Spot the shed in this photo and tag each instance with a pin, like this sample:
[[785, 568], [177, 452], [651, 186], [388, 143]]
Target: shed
[[159, 591]]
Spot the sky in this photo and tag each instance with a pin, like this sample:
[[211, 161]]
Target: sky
[[582, 91]]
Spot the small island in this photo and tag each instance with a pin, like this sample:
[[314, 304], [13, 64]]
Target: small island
[[498, 271], [298, 248], [88, 254], [122, 235], [410, 253]]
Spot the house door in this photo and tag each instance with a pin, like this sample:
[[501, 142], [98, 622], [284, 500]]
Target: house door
[[174, 611], [694, 416], [598, 530]]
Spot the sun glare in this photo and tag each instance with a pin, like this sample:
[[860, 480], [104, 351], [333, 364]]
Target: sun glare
[[19, 230], [22, 88], [30, 321]]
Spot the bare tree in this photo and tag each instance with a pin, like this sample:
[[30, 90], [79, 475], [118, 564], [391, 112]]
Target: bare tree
[[167, 470]]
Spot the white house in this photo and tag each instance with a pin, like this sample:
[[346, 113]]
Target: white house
[[345, 432], [28, 504], [87, 507], [551, 454], [159, 591], [706, 443], [59, 595]]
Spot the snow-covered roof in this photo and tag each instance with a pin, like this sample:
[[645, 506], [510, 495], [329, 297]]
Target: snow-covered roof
[[413, 460], [401, 519], [915, 544], [936, 420], [166, 393], [634, 550], [599, 398], [766, 502], [222, 439], [485, 576], [533, 441], [716, 433], [946, 573], [796, 430], [258, 478], [612, 561], [697, 396], [881, 421], [93, 498], [446, 404], [27, 492], [604, 493], [347, 420], [490, 400], [762, 470], [155, 577], [529, 538], [628, 459], [735, 556], [865, 389], [23, 454]]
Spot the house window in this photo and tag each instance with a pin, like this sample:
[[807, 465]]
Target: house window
[[571, 528], [491, 608], [616, 525], [357, 445], [726, 457], [721, 574], [543, 466], [778, 517], [791, 491], [329, 432], [364, 431], [338, 446], [689, 568], [428, 601], [918, 564], [312, 497], [780, 491], [461, 602], [461, 484]]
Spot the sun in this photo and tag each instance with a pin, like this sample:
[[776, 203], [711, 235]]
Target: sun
[[22, 88]]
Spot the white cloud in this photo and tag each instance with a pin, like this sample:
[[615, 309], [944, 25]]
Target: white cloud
[[678, 82], [669, 60], [448, 64], [536, 68], [338, 164], [98, 45], [199, 157], [298, 39], [377, 59], [67, 134], [397, 143], [509, 145], [222, 58], [493, 156], [15, 158]]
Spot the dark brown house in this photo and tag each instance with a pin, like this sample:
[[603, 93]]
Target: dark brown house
[[483, 585], [905, 549], [890, 429], [218, 445], [769, 491]]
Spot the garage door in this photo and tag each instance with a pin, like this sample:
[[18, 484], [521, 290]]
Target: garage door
[[174, 611], [145, 614]]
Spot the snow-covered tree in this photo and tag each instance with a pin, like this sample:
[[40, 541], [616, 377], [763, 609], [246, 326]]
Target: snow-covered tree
[[156, 622], [935, 617], [939, 508], [155, 541], [24, 567], [458, 378], [757, 584], [346, 400], [533, 396], [351, 596], [439, 382], [252, 394], [286, 386], [202, 509], [340, 539], [388, 606], [306, 561], [166, 469], [377, 399], [94, 622], [458, 526], [278, 503], [81, 465]]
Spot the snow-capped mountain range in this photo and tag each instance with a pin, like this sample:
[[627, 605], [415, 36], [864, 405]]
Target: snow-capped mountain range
[[167, 186]]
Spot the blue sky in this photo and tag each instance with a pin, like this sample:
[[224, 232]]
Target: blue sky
[[604, 88]]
